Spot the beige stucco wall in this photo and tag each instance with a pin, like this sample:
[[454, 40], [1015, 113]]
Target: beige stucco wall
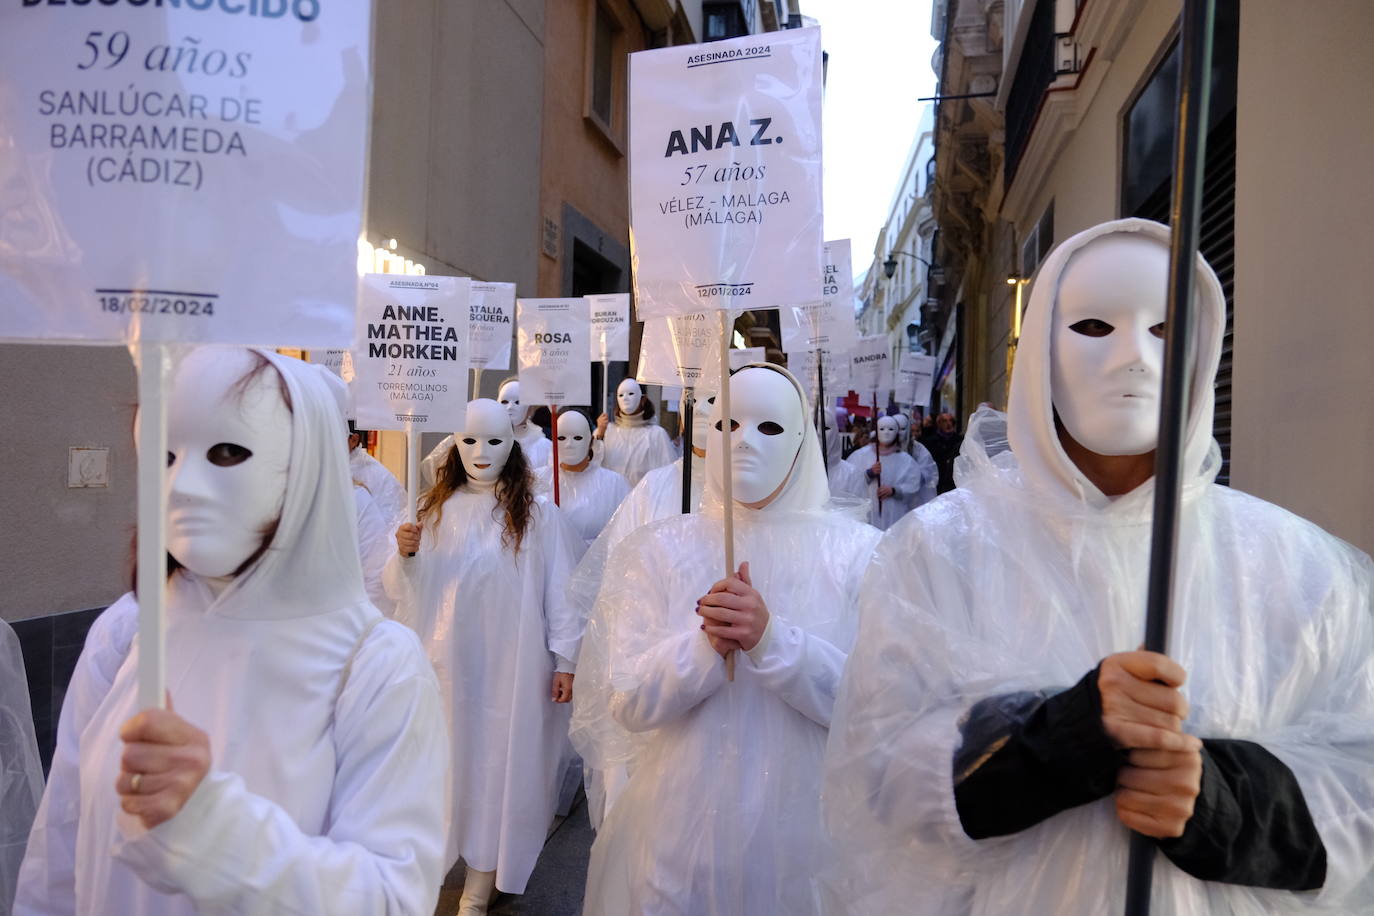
[[1303, 426], [64, 549], [456, 135]]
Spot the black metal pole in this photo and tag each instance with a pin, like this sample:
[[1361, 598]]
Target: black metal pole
[[821, 407], [688, 403], [1190, 153]]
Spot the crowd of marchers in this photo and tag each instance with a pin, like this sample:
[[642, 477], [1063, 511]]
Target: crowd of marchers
[[916, 689]]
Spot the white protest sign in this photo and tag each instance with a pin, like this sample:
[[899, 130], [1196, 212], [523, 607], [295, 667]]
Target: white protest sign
[[829, 322], [610, 316], [725, 173], [870, 365], [554, 340], [411, 363], [189, 173], [915, 378], [681, 351], [741, 358], [492, 311], [803, 365], [339, 362]]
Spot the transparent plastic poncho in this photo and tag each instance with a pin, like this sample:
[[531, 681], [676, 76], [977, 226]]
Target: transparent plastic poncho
[[721, 814], [1023, 579]]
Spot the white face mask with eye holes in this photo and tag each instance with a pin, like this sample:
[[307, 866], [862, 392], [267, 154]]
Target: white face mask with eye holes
[[701, 421], [574, 438], [509, 398], [887, 430], [227, 460], [627, 396], [485, 443], [1107, 347], [767, 433]]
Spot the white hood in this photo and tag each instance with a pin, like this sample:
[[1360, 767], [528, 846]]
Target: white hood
[[807, 488], [312, 566], [1044, 465]]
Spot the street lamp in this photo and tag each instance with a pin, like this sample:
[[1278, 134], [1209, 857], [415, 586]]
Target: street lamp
[[937, 273]]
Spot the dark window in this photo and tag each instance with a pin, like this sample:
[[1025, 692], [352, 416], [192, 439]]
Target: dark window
[[723, 20], [1147, 178], [1034, 73], [603, 66]]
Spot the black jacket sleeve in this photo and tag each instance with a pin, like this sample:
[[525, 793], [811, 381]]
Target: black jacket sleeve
[[1250, 824], [1026, 757]]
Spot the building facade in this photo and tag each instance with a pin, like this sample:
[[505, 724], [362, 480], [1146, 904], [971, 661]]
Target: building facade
[[1058, 114]]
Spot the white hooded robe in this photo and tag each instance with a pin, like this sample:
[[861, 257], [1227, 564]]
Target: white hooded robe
[[325, 727], [1023, 579], [721, 814], [492, 622], [633, 448]]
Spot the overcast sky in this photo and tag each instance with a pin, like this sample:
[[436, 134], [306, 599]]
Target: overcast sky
[[880, 53]]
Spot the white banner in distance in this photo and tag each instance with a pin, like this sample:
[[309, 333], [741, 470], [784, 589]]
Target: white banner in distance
[[829, 322], [610, 316], [870, 366], [739, 358], [915, 379], [175, 177], [803, 365], [492, 309], [554, 339], [683, 350], [411, 365], [725, 174]]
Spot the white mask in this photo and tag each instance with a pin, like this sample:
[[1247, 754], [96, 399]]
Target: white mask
[[486, 440], [768, 427], [574, 438], [228, 459], [509, 396], [903, 424], [628, 395], [1107, 350], [887, 430], [701, 421]]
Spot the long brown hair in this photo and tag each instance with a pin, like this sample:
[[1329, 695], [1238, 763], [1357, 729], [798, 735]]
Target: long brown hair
[[514, 494]]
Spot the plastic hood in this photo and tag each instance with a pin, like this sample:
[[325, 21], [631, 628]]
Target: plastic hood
[[1044, 465]]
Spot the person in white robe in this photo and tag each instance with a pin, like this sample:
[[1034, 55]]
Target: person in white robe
[[998, 736], [21, 773], [896, 482], [481, 579], [377, 479], [588, 493], [634, 444], [297, 766], [846, 480], [721, 814]]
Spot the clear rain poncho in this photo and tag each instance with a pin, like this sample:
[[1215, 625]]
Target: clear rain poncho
[[1021, 581], [634, 447], [381, 484], [587, 498], [21, 772], [721, 814], [325, 725], [493, 622]]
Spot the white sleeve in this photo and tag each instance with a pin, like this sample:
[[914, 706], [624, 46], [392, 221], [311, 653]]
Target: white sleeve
[[672, 678], [233, 852], [563, 621], [801, 668], [376, 545], [930, 474], [905, 479], [47, 877]]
